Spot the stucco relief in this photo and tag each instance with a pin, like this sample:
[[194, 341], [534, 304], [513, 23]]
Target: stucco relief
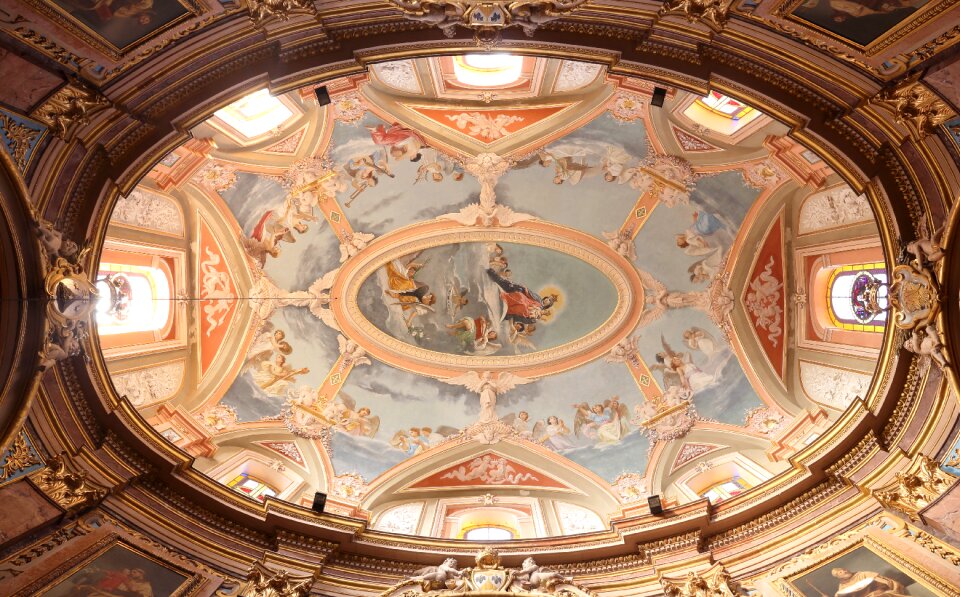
[[764, 304], [483, 125], [398, 74], [151, 384], [401, 519], [574, 75], [149, 211], [575, 519], [833, 208], [832, 386]]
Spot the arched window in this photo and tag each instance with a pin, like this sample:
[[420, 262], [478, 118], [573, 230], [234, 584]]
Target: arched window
[[725, 490], [857, 297], [252, 486], [133, 298], [488, 533]]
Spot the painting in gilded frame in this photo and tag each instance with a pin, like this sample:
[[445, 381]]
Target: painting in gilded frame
[[856, 573], [953, 128], [118, 570], [116, 25], [862, 23], [951, 461]]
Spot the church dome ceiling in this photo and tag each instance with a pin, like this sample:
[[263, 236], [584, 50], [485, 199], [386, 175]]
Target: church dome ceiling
[[546, 287]]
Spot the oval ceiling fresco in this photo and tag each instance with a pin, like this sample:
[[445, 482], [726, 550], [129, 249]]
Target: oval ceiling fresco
[[602, 297], [484, 299]]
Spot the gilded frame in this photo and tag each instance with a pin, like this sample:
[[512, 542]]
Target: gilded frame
[[903, 28], [55, 577], [889, 539], [73, 25]]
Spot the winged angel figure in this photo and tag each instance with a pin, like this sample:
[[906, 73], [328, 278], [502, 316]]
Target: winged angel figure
[[488, 387], [352, 352], [265, 296], [488, 429], [487, 168]]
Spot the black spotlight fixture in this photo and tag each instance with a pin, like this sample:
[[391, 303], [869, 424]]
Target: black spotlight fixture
[[656, 507], [323, 96], [659, 94], [319, 501]]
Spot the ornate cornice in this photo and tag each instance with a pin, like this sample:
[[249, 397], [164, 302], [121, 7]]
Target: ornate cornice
[[187, 94]]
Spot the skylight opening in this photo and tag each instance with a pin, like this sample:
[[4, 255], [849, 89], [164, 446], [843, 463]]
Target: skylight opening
[[488, 70], [255, 114]]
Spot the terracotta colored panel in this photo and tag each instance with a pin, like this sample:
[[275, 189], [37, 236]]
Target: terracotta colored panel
[[488, 126], [218, 294], [765, 298], [486, 470]]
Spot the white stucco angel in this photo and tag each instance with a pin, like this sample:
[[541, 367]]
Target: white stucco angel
[[926, 342], [533, 576], [63, 341], [925, 251], [622, 242], [352, 353], [625, 351], [488, 387], [487, 168], [444, 576], [53, 241], [353, 243]]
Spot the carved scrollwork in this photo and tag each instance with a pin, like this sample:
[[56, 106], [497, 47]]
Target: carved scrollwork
[[264, 11], [265, 582], [915, 295], [71, 491], [19, 457], [715, 582], [712, 13], [914, 489], [72, 297], [70, 107], [488, 576], [486, 19], [914, 105]]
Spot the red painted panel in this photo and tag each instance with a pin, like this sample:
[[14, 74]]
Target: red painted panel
[[487, 470], [218, 294]]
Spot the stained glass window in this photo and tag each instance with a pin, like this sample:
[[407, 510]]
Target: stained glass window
[[725, 490], [858, 297], [251, 486], [133, 298], [724, 105]]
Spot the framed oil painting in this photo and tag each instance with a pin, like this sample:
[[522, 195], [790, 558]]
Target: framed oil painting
[[857, 573], [858, 22], [119, 571], [117, 25]]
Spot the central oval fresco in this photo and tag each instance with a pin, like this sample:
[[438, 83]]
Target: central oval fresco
[[438, 298], [487, 298]]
